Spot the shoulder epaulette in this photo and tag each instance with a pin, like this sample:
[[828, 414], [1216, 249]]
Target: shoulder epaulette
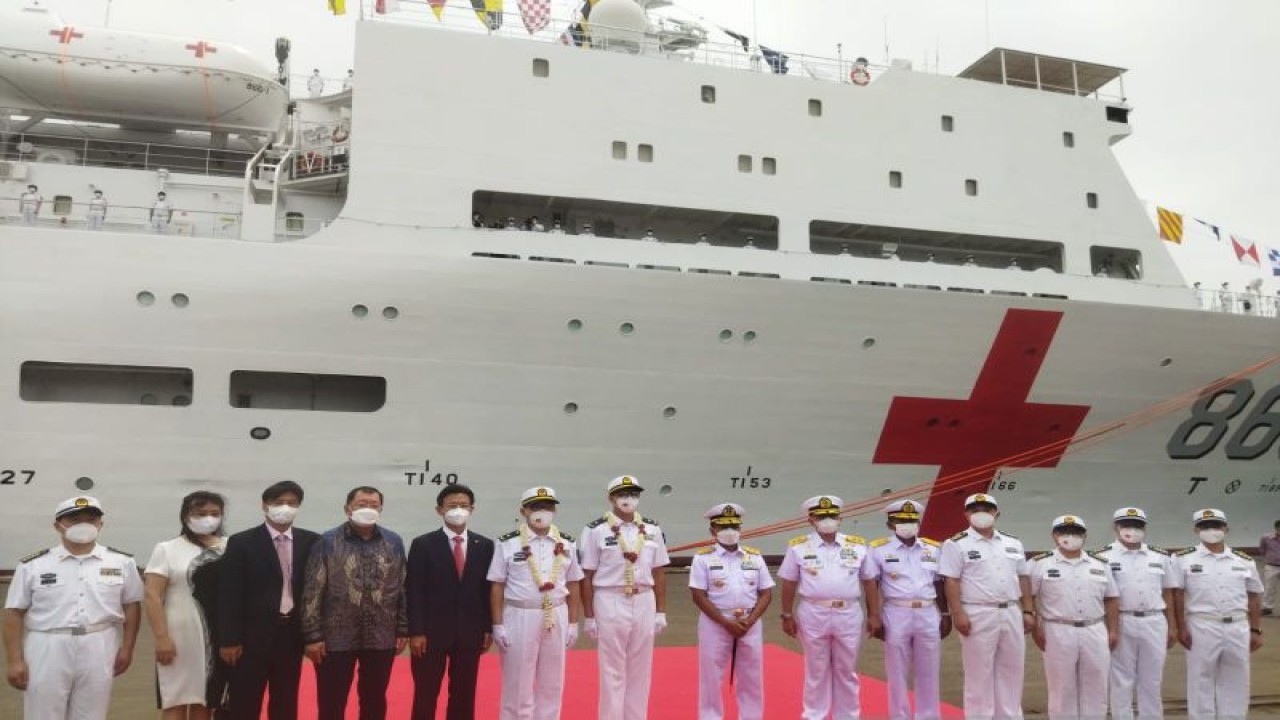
[[597, 522], [119, 551], [566, 536], [1099, 551], [879, 541], [34, 555], [960, 535], [1011, 535], [1243, 554], [1158, 550], [1096, 555], [649, 521], [1040, 555], [1185, 551], [854, 540], [509, 536], [750, 550], [926, 541], [798, 540], [706, 550]]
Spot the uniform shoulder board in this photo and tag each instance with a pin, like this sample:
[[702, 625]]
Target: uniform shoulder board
[[650, 521], [879, 541], [854, 540], [960, 535], [1040, 555], [1243, 554], [1185, 551], [1011, 535], [509, 536], [566, 537], [34, 555], [750, 550], [926, 541], [800, 540], [597, 522], [119, 551], [1097, 555], [706, 550], [1157, 550]]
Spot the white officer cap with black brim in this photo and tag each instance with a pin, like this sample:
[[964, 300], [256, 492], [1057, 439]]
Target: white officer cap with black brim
[[1130, 513], [624, 483], [905, 510], [979, 499], [725, 514], [1069, 522], [1208, 515], [77, 504], [537, 495], [822, 506]]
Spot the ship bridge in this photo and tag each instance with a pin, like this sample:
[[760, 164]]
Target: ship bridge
[[1004, 66]]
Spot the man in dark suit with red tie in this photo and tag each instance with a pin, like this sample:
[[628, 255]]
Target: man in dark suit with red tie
[[259, 627], [448, 598]]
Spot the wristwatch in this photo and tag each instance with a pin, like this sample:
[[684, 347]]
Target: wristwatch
[[1256, 631], [786, 616]]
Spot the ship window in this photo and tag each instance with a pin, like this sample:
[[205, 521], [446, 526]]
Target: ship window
[[895, 179], [541, 68], [948, 123], [307, 391], [1117, 114], [744, 163], [847, 237], [1068, 139], [294, 222], [105, 384], [815, 107], [619, 150], [1091, 199], [769, 166], [709, 94], [645, 153], [971, 187], [1115, 262], [62, 204]]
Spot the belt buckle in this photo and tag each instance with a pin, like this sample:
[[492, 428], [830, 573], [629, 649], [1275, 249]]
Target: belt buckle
[[1139, 613], [837, 603], [629, 591], [1078, 623], [1228, 620], [79, 631], [739, 613], [1002, 605], [917, 603]]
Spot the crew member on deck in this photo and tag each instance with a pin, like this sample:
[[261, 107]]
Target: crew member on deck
[[72, 600], [29, 205], [161, 213], [349, 81], [315, 84], [624, 598], [991, 605], [906, 607], [97, 216], [825, 567], [1219, 610], [1078, 622], [1145, 577], [731, 585]]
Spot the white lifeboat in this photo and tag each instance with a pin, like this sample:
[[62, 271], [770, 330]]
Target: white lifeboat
[[109, 75]]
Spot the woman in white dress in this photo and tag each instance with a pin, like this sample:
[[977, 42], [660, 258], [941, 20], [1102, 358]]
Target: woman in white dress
[[183, 655]]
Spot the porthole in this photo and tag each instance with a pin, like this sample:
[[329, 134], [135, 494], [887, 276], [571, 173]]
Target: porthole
[[84, 483], [360, 310], [570, 408], [626, 328], [665, 490], [146, 299], [868, 343], [749, 336], [1166, 362], [390, 312], [147, 399], [180, 300], [668, 412], [726, 335], [260, 433], [575, 325]]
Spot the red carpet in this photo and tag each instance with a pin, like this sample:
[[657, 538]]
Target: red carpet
[[674, 695]]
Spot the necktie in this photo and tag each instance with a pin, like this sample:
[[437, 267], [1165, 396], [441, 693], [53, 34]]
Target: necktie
[[458, 561], [284, 551]]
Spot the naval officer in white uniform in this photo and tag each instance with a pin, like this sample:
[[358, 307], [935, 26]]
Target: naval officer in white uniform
[[80, 604], [29, 205]]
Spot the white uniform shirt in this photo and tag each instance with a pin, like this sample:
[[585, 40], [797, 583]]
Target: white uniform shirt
[[988, 570], [825, 571], [733, 580], [61, 590], [905, 572], [30, 202], [161, 210], [1140, 575], [1071, 589], [1216, 584], [602, 553], [98, 207], [511, 565]]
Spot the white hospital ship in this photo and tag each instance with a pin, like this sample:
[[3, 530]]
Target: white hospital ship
[[904, 275]]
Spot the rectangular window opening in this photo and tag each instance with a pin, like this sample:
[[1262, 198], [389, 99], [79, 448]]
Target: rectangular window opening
[[541, 68], [1068, 139], [709, 94], [619, 150], [744, 163], [769, 166], [1091, 199], [645, 153], [895, 179], [105, 384], [948, 123], [62, 204], [815, 107], [971, 187], [307, 391], [1115, 262]]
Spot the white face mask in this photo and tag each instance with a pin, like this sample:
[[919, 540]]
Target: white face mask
[[282, 514], [365, 517], [728, 537], [1212, 536], [1131, 535], [541, 519], [204, 524], [906, 531], [827, 525], [627, 504], [81, 533], [1070, 543], [457, 516], [982, 520]]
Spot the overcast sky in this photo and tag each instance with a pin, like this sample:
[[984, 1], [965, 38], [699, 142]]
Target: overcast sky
[[1201, 74]]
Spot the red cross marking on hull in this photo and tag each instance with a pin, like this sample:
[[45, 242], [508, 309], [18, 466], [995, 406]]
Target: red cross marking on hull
[[994, 423], [66, 35], [201, 48]]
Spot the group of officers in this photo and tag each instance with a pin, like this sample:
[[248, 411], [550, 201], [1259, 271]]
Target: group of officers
[[158, 216], [1104, 620]]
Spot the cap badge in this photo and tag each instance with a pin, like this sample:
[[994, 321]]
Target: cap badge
[[627, 481], [908, 506], [82, 502], [1206, 514], [825, 503], [728, 511], [1069, 520], [542, 492], [1131, 512], [979, 498]]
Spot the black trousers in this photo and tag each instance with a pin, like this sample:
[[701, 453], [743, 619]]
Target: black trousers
[[275, 669], [333, 682], [463, 666]]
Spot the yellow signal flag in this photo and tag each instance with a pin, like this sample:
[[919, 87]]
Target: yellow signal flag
[[338, 7], [1170, 224]]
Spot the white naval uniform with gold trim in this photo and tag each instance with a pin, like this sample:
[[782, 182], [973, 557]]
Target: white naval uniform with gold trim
[[912, 624], [732, 581], [1137, 663]]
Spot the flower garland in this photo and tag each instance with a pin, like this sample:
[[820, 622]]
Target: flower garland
[[557, 567], [630, 553]]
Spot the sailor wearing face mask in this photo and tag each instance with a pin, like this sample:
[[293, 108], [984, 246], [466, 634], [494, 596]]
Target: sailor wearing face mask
[[991, 606], [1145, 577], [1078, 622], [534, 602], [731, 585], [823, 567], [624, 598], [903, 570], [71, 600], [1219, 608]]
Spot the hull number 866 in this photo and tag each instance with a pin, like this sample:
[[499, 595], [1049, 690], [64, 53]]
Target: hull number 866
[[1221, 415]]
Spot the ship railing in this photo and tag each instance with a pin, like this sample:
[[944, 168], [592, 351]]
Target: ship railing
[[123, 154], [1240, 303], [58, 214]]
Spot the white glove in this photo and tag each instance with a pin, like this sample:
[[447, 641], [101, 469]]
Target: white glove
[[589, 625], [659, 623], [500, 638], [571, 635]]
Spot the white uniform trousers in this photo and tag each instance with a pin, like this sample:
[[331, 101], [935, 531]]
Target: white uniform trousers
[[913, 646], [1218, 669], [533, 669], [830, 638], [70, 675], [1270, 586], [624, 652], [995, 654], [159, 225], [715, 653], [1137, 664], [28, 217], [1076, 663], [96, 221]]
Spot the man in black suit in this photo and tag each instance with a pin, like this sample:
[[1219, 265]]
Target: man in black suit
[[259, 611], [449, 618]]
